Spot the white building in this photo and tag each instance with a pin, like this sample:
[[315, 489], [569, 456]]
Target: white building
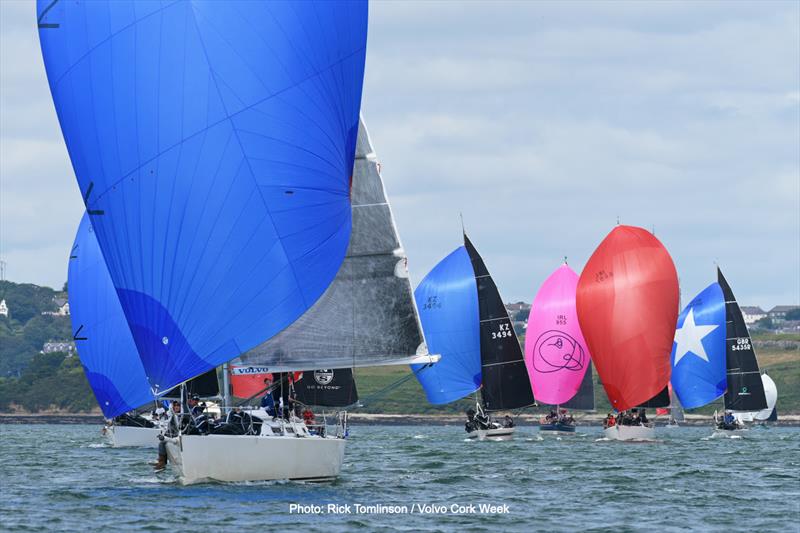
[[752, 314], [63, 308], [50, 347], [779, 311], [3, 308]]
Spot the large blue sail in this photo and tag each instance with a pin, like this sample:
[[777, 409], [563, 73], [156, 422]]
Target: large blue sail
[[213, 143], [698, 353], [105, 345], [448, 308]]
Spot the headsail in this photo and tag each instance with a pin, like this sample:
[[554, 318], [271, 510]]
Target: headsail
[[556, 355], [367, 315], [505, 379], [627, 301], [104, 342], [745, 389], [447, 299], [698, 352], [214, 156], [771, 394]]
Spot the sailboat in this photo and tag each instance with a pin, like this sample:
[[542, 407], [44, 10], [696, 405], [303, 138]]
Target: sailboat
[[366, 317], [465, 321], [712, 356], [627, 303], [217, 175], [109, 355], [556, 354]]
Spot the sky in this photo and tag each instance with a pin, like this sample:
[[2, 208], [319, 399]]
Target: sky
[[542, 123]]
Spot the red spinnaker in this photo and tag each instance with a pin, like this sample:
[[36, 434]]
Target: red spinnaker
[[627, 303]]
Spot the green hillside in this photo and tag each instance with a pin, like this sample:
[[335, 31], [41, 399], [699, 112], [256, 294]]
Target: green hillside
[[34, 381], [25, 330]]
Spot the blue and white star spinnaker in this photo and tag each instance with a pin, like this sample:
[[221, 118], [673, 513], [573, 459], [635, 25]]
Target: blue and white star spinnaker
[[698, 353]]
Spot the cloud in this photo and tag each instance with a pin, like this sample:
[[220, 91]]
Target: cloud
[[541, 122]]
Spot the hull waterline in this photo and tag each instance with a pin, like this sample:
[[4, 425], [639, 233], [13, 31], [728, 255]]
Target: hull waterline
[[200, 458], [492, 434], [630, 433], [132, 437]]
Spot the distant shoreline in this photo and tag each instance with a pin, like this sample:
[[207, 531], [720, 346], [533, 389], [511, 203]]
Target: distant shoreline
[[368, 419]]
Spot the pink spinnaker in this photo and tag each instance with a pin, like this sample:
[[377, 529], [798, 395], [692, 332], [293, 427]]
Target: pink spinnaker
[[556, 353]]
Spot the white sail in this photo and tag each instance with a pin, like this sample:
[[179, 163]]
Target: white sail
[[771, 392]]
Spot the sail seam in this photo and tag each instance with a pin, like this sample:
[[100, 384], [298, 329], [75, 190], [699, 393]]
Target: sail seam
[[504, 363]]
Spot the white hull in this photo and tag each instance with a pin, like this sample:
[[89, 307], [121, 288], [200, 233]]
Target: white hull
[[619, 432], [130, 437], [255, 457], [730, 433], [492, 434]]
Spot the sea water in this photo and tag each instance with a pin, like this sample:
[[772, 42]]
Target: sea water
[[419, 478]]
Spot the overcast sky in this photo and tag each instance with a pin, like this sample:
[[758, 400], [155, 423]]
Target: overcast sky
[[541, 122]]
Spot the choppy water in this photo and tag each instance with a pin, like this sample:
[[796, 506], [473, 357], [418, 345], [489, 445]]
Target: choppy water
[[62, 478]]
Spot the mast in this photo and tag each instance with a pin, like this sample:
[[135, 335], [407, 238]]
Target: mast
[[505, 379], [745, 388], [226, 389]]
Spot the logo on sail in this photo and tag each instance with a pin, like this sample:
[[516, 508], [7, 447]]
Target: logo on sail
[[555, 350], [323, 377]]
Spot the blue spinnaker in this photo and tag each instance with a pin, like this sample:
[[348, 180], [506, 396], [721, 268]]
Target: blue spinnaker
[[105, 345], [213, 143], [698, 353], [448, 308]]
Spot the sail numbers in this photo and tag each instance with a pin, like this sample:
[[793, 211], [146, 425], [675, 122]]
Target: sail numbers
[[603, 276], [742, 343], [504, 330], [432, 303]]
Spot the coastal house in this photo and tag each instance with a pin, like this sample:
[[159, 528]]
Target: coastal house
[[60, 346], [779, 311], [752, 314], [62, 307], [3, 308], [516, 307]]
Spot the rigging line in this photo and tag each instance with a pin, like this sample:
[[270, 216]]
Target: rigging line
[[392, 386]]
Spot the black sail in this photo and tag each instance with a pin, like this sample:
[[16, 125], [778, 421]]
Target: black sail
[[773, 416], [661, 399], [327, 388], [745, 388], [584, 398], [505, 378], [205, 385]]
